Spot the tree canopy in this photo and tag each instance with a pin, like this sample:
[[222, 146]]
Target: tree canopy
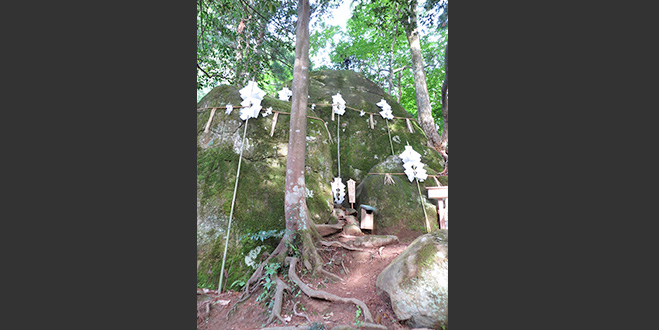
[[249, 39]]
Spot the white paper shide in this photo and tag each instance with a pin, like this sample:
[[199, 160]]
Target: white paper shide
[[285, 94], [338, 190], [338, 104], [413, 165], [386, 109], [252, 96]]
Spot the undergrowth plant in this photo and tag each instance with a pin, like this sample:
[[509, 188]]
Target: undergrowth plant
[[358, 322]]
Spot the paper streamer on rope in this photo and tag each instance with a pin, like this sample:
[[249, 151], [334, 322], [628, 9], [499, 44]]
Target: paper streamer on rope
[[386, 109], [267, 112], [285, 94], [338, 105], [229, 109], [338, 190], [413, 165], [414, 170], [208, 124], [252, 96]]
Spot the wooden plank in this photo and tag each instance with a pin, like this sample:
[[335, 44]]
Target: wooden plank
[[371, 121], [437, 192], [208, 125], [274, 122], [351, 191]]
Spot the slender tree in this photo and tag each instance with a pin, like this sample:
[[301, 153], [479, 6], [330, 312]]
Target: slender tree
[[424, 111], [444, 139]]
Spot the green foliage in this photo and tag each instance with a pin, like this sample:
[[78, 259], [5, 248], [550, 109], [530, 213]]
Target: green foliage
[[268, 284], [366, 47], [264, 234], [358, 322], [238, 41]]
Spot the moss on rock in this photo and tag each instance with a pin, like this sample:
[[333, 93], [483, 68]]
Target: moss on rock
[[259, 204]]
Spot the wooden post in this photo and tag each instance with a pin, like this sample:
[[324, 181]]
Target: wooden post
[[333, 108], [351, 193], [208, 125], [371, 121], [274, 122]]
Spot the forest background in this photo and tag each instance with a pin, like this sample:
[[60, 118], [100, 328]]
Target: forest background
[[242, 40]]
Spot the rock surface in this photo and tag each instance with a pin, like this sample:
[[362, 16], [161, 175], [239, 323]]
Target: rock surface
[[371, 241], [416, 282], [398, 206], [259, 207]]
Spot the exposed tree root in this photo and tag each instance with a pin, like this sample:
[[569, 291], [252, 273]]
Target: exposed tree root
[[339, 244], [322, 294], [279, 297], [300, 314]]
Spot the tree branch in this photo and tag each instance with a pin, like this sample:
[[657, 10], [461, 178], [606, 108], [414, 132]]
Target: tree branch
[[202, 70]]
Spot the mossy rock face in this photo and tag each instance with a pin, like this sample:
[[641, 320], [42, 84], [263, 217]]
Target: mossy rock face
[[259, 204], [398, 206], [361, 147], [416, 282], [259, 201]]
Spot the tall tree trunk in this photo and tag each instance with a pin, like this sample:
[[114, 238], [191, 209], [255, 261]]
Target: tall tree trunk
[[296, 212], [391, 55], [444, 139], [424, 112]]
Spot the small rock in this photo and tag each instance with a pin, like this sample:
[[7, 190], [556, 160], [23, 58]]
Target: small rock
[[352, 230], [373, 241], [325, 230], [351, 220], [350, 211]]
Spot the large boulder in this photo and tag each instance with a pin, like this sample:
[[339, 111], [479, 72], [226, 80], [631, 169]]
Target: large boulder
[[416, 282], [361, 147], [398, 207], [258, 216]]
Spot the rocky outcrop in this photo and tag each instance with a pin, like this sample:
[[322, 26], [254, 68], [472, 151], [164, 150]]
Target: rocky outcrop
[[398, 205], [258, 217], [416, 282]]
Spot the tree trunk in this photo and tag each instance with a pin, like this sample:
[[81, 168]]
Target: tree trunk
[[444, 139], [391, 56], [424, 112], [296, 212]]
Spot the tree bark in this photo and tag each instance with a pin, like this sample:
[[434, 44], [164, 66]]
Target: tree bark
[[391, 55], [296, 212], [444, 138], [424, 112]]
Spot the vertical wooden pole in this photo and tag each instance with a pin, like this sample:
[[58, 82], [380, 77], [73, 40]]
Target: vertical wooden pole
[[274, 122], [208, 125]]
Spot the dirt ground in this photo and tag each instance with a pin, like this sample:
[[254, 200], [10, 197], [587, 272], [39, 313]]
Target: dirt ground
[[359, 282]]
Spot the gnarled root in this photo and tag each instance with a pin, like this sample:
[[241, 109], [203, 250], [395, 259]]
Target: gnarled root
[[341, 245], [279, 296], [322, 294], [300, 314]]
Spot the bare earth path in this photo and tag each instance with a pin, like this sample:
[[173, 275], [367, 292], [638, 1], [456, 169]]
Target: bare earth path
[[362, 270]]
